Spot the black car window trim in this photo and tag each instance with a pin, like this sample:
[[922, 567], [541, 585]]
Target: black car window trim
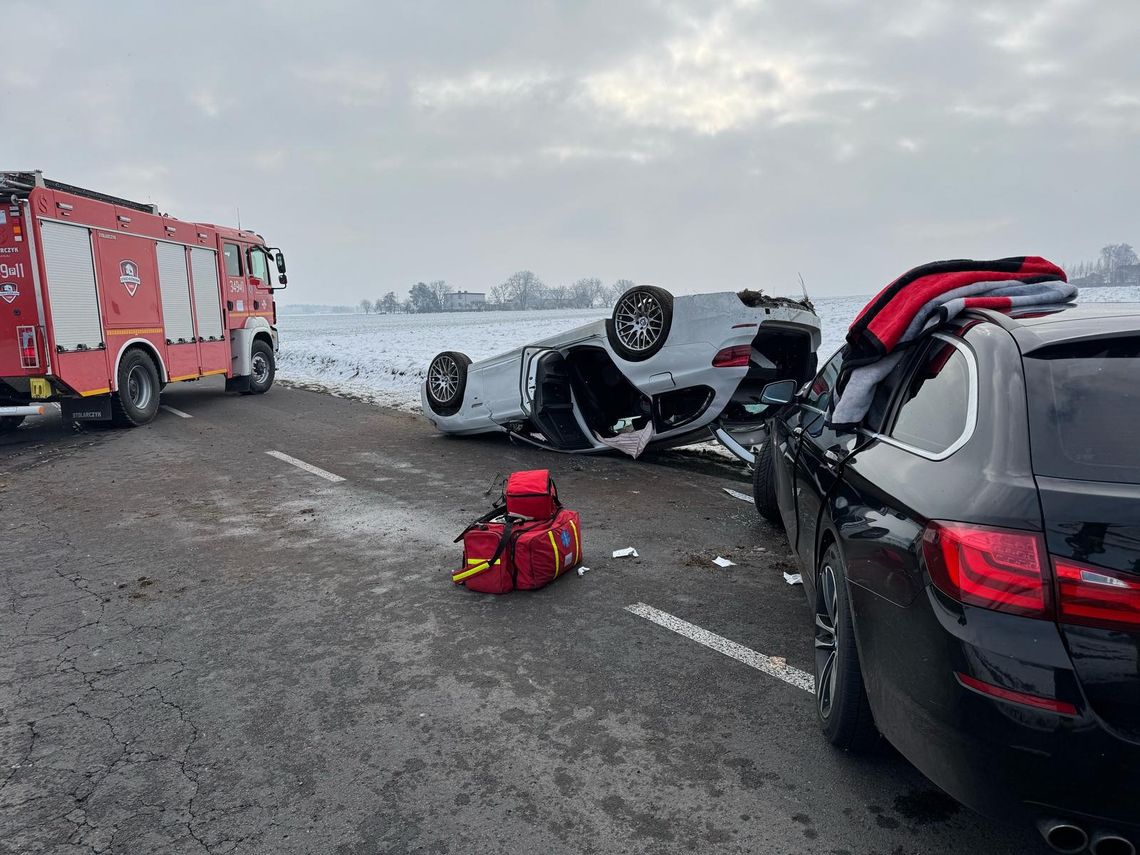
[[971, 406], [807, 386]]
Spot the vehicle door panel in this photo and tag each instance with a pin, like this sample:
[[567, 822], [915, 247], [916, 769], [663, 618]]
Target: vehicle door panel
[[784, 462]]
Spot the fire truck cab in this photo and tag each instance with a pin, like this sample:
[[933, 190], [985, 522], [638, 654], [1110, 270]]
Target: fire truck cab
[[104, 301]]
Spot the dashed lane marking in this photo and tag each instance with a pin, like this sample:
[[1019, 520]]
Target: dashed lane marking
[[175, 412], [308, 467], [791, 676]]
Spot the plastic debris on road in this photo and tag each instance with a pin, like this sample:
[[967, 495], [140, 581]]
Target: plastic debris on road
[[628, 552], [582, 571], [723, 562], [777, 661], [738, 495], [793, 578]]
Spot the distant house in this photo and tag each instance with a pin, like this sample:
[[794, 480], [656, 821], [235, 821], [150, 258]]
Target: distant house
[[464, 301]]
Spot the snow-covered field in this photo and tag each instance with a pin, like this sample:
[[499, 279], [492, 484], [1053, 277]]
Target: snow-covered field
[[382, 358]]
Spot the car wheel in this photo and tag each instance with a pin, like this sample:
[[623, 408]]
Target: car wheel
[[135, 402], [263, 368], [764, 482], [841, 698], [10, 423], [640, 323], [447, 381]]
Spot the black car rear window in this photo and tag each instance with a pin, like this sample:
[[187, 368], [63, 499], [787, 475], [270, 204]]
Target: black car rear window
[[1084, 409]]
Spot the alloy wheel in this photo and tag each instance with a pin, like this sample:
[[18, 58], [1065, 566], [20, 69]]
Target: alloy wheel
[[443, 379], [639, 320], [826, 640]]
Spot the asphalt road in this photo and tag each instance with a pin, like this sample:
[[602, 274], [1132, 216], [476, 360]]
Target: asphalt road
[[206, 648]]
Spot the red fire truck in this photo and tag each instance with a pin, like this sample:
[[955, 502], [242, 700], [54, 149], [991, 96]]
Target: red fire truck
[[104, 301]]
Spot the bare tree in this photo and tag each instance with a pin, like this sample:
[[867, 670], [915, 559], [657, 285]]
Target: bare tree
[[389, 304], [523, 289], [366, 306], [440, 290], [617, 289], [585, 292]]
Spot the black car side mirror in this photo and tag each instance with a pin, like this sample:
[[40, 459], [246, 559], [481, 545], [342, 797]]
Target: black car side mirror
[[780, 392]]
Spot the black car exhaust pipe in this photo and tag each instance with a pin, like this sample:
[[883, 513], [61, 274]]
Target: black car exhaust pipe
[[1063, 836], [1110, 843]]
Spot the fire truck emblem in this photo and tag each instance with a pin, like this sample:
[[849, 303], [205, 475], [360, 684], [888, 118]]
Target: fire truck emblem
[[130, 276], [9, 292]]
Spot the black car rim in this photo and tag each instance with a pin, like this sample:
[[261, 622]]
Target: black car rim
[[443, 379], [826, 640], [639, 319]]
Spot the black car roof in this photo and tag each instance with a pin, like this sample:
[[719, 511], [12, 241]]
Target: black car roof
[[1039, 326]]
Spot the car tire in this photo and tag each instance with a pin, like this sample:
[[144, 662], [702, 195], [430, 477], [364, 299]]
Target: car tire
[[263, 368], [640, 323], [841, 697], [764, 482], [447, 381], [10, 423], [135, 402]]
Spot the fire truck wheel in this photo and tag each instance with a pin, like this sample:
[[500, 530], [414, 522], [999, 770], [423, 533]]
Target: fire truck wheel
[[10, 423], [136, 401], [263, 368]]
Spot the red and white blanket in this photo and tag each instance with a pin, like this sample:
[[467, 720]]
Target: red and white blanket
[[926, 297]]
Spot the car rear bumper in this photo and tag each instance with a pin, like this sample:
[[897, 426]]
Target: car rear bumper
[[1000, 758]]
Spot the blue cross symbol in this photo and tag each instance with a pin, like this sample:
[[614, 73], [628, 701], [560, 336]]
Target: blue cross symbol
[[565, 538]]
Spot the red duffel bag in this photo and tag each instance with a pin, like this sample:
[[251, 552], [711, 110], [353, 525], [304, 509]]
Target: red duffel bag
[[505, 549]]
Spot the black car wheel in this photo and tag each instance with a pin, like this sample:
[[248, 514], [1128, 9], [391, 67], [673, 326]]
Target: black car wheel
[[447, 381], [640, 323], [764, 482], [10, 423], [841, 699], [135, 402]]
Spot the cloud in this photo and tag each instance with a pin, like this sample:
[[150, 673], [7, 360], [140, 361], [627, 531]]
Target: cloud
[[478, 89], [351, 82]]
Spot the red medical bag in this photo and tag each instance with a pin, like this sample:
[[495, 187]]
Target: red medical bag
[[531, 495], [510, 548]]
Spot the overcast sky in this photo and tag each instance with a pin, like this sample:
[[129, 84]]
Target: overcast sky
[[696, 145]]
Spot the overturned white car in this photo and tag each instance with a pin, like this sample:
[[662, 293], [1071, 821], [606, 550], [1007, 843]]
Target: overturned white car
[[661, 370]]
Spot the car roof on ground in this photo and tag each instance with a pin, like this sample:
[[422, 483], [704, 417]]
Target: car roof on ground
[[1041, 326]]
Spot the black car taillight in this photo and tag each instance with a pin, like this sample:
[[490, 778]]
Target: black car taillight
[[994, 568], [1093, 596]]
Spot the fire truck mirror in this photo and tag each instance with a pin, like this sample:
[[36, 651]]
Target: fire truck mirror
[[280, 257], [283, 280]]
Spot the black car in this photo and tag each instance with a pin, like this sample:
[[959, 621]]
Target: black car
[[971, 555]]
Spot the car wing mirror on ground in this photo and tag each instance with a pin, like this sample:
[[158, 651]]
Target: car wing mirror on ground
[[780, 392]]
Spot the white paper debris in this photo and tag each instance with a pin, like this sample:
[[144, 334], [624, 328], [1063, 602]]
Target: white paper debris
[[793, 578], [626, 553], [778, 661], [582, 571], [743, 497], [723, 562]]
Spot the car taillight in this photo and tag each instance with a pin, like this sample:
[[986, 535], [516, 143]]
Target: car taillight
[[994, 568], [1093, 596], [29, 355], [736, 356]]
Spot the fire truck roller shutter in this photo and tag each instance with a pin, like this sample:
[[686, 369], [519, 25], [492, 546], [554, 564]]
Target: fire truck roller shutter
[[71, 285], [174, 282], [207, 299]]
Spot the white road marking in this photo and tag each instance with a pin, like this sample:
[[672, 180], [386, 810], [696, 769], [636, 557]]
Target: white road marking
[[308, 467], [772, 666], [175, 412]]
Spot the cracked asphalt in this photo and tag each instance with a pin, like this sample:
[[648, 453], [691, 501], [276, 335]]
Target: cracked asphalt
[[205, 649]]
